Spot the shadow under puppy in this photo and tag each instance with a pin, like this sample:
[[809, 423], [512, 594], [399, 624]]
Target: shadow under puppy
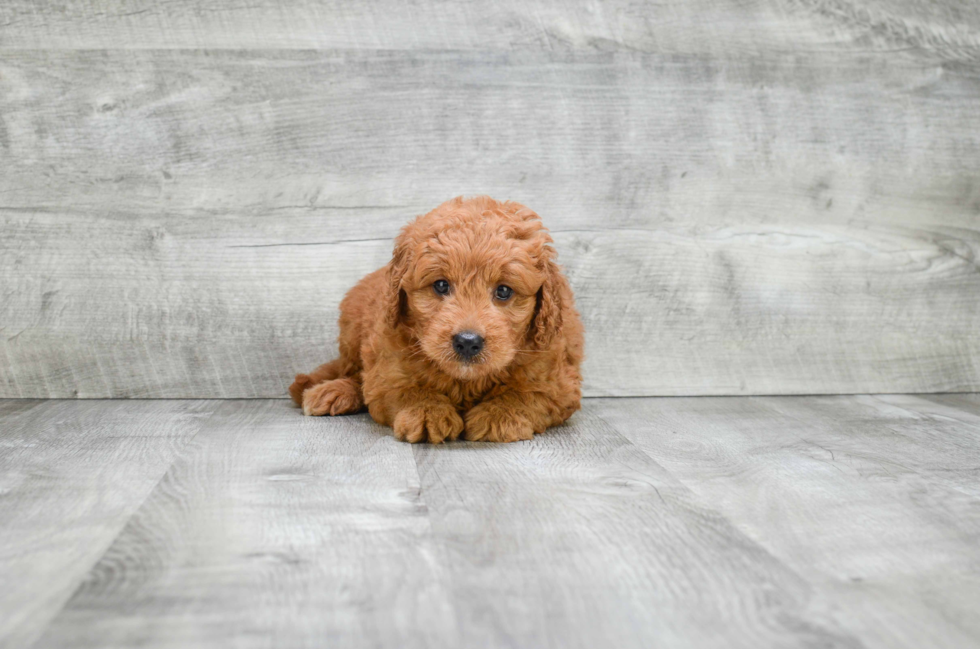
[[470, 329]]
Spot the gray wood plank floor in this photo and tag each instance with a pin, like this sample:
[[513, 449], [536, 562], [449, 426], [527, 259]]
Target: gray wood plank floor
[[685, 522]]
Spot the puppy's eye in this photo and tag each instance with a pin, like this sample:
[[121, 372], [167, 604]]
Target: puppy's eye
[[503, 293], [441, 287]]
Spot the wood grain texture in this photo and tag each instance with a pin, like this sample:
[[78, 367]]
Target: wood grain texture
[[183, 224], [578, 539], [826, 137], [186, 309], [272, 530], [968, 403], [71, 475], [707, 522], [874, 500], [276, 530], [949, 28]]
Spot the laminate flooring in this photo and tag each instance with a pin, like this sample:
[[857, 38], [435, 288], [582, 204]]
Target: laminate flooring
[[824, 521]]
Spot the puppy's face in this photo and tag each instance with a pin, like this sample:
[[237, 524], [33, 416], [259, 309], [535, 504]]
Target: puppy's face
[[471, 287]]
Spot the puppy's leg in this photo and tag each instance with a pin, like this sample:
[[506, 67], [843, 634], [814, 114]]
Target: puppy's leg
[[511, 416], [336, 397], [417, 415], [303, 382]]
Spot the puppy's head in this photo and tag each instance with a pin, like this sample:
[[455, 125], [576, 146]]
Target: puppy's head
[[475, 282]]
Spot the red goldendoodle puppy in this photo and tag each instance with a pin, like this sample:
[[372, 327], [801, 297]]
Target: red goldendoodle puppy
[[470, 329]]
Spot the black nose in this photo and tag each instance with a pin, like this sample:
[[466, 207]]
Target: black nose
[[467, 344]]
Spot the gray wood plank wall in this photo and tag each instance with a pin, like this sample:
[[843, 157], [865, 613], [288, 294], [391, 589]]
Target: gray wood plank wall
[[762, 197]]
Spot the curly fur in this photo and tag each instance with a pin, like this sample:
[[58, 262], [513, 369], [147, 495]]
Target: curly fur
[[396, 332]]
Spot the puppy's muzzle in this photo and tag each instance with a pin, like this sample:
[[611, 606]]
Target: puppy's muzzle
[[467, 344]]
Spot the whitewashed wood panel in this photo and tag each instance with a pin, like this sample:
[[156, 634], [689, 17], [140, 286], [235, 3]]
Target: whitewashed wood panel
[[586, 139], [71, 475], [184, 223], [947, 27], [184, 307]]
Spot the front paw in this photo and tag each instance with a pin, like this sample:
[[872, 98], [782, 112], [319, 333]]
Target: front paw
[[428, 421], [495, 422]]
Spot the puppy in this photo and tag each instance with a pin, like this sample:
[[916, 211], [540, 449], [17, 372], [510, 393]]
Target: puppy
[[470, 330]]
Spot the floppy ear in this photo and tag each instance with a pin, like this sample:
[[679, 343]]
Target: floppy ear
[[547, 313], [394, 297]]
